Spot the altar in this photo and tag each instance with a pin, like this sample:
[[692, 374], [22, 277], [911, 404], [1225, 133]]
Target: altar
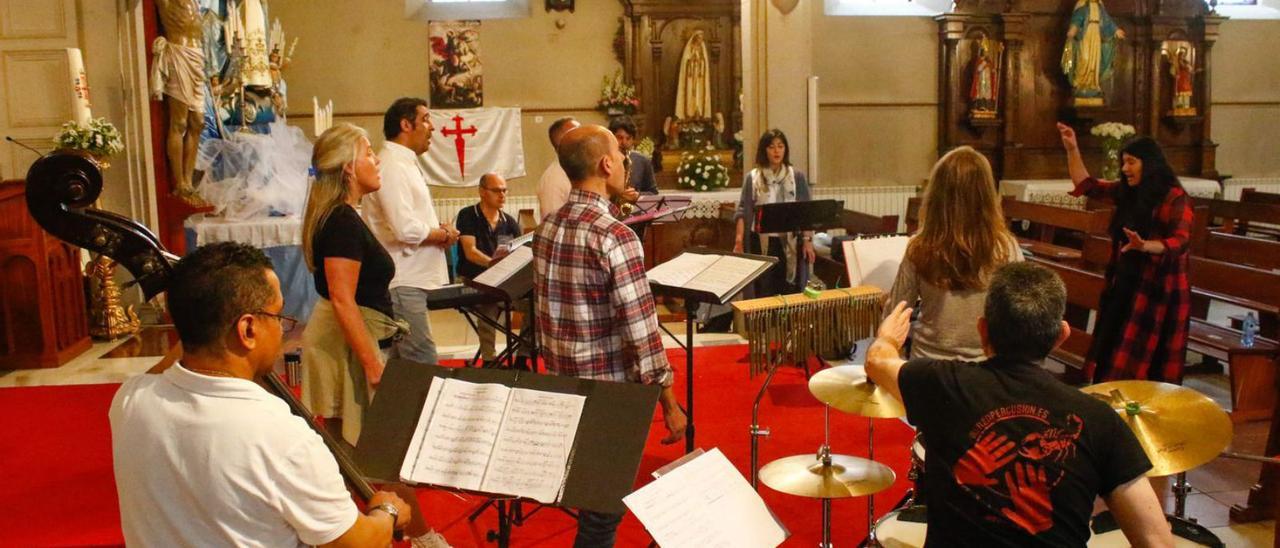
[[280, 238], [1055, 191]]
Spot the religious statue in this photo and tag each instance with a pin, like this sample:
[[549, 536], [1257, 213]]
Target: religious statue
[[108, 319], [984, 90], [1182, 69], [177, 77], [1089, 51], [693, 89]]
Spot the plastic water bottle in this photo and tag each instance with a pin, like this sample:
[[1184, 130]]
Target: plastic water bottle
[[1250, 331]]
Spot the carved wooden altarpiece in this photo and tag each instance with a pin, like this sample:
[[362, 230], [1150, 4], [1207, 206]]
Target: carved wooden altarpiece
[[1020, 139]]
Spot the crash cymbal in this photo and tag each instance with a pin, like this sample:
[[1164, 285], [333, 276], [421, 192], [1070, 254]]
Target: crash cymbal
[[1178, 427], [847, 389], [805, 476]]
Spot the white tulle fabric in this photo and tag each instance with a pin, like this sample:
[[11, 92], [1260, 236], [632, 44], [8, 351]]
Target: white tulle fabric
[[250, 175]]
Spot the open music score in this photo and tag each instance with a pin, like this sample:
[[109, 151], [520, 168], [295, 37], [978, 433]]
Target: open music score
[[495, 439], [874, 261], [717, 276], [702, 503], [499, 272]]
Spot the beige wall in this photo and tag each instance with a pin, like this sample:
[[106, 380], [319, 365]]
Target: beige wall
[[878, 93], [363, 55], [1246, 98]]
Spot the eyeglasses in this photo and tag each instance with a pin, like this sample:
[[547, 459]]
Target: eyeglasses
[[498, 190], [287, 323]]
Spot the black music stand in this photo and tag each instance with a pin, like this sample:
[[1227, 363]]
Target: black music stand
[[798, 216], [691, 299], [517, 286], [607, 448]]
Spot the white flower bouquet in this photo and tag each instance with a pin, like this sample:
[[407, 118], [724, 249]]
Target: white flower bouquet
[[701, 170], [617, 96], [1113, 135], [99, 138]]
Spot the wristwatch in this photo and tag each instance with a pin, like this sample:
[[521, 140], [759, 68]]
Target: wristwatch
[[390, 509]]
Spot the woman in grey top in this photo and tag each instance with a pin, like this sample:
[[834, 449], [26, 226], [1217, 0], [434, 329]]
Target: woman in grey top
[[772, 181], [962, 239]]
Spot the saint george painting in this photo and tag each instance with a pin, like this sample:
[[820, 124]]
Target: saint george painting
[[1089, 52], [457, 80]]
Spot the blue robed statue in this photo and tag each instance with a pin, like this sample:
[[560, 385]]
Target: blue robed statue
[[1089, 51]]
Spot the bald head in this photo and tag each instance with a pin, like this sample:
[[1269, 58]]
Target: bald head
[[491, 180], [581, 151], [560, 127]]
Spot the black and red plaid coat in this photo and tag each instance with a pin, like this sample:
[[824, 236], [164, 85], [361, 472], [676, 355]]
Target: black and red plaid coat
[[1154, 341]]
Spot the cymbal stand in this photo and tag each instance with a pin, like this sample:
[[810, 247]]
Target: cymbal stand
[[824, 456], [756, 431], [1180, 491], [871, 455]]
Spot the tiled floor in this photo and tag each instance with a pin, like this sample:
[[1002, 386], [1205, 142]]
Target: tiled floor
[[1216, 485]]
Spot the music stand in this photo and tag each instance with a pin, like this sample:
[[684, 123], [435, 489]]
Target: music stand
[[607, 447], [798, 216], [691, 299], [515, 287]]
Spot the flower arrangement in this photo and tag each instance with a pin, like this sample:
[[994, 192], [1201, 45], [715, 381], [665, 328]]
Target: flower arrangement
[[99, 138], [1113, 135], [645, 147], [617, 96], [701, 170]]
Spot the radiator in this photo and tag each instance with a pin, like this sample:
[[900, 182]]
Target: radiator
[[447, 208], [872, 200], [1231, 188]]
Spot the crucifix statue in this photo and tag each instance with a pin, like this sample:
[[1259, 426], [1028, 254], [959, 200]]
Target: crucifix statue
[[177, 77]]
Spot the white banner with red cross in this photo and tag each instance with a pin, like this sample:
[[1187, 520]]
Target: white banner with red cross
[[468, 143]]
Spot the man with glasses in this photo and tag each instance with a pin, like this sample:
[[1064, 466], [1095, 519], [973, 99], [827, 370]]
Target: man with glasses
[[485, 232], [203, 455]]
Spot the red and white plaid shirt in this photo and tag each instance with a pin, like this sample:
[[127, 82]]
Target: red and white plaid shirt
[[596, 317]]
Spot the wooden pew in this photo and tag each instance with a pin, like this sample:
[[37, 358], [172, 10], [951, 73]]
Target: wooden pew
[[1243, 250], [1255, 196], [1084, 290], [1237, 216]]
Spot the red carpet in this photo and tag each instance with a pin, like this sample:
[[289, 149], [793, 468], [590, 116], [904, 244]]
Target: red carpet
[[58, 488]]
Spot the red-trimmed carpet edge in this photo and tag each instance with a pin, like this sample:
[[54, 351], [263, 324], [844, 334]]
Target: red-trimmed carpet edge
[[55, 451]]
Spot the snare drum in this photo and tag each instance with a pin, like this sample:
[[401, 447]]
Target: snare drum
[[1107, 534], [905, 528], [916, 472]]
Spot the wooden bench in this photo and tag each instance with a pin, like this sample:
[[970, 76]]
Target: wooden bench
[[1243, 250], [1255, 196], [1235, 217], [1084, 290]]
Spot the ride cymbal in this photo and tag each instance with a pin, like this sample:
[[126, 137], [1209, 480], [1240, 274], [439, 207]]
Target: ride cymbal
[[805, 476], [846, 388], [1179, 428]]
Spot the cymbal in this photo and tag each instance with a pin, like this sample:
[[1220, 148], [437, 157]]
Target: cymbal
[[805, 476], [846, 388], [1178, 427]]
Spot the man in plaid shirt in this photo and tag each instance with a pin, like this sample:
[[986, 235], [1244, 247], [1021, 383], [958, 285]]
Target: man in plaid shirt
[[595, 314]]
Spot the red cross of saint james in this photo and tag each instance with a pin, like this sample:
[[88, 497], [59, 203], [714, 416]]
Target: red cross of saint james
[[459, 143]]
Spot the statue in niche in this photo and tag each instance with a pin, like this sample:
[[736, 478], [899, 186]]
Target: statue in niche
[[1182, 69], [178, 78], [1090, 51], [984, 89], [693, 89]]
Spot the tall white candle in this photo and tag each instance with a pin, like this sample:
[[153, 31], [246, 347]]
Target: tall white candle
[[813, 130], [79, 87]]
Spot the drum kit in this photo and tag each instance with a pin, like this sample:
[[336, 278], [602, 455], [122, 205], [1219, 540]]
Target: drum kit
[[1178, 428]]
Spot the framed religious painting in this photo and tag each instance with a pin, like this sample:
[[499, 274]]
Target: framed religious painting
[[560, 5], [457, 78]]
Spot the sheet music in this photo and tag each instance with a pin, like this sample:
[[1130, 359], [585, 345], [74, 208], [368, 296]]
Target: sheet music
[[460, 435], [420, 431], [874, 261], [678, 271], [531, 455], [521, 240], [504, 269], [725, 274], [705, 503]]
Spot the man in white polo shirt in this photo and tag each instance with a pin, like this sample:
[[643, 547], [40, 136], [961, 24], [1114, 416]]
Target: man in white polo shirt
[[403, 218], [203, 455]]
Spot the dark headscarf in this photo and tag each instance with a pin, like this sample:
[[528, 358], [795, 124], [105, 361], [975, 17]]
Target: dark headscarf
[[1136, 205]]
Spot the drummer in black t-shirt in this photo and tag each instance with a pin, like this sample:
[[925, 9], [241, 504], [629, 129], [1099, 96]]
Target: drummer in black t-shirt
[[1016, 458], [485, 231]]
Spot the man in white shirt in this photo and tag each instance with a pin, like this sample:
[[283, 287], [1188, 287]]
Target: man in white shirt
[[403, 218], [554, 187], [203, 455]]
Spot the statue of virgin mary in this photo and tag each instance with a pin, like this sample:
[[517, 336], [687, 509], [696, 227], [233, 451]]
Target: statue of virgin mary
[[1090, 50], [693, 89]]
